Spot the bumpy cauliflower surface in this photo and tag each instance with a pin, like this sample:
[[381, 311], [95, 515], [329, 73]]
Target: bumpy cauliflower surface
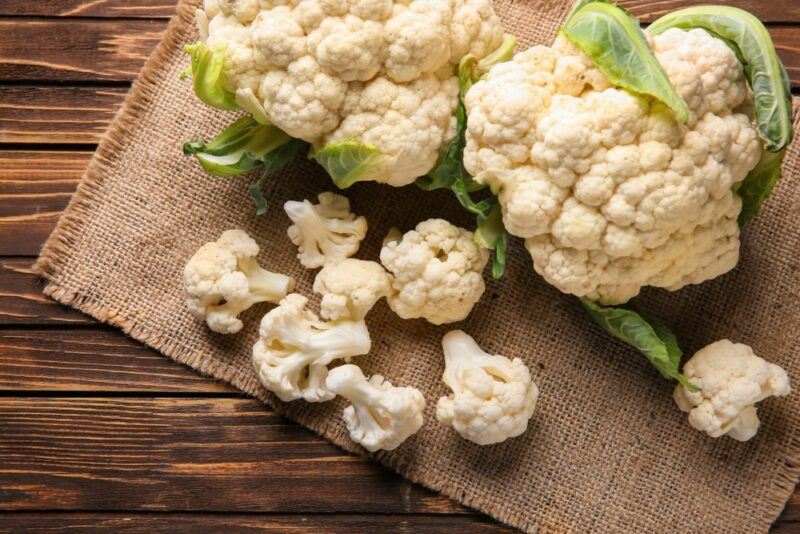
[[350, 288], [732, 379], [493, 396], [294, 349], [223, 279], [326, 231], [381, 416], [610, 192], [377, 71], [437, 272]]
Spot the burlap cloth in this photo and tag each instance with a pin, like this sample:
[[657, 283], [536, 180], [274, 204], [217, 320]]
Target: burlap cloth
[[607, 449]]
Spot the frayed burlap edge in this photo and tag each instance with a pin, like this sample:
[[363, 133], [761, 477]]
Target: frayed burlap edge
[[68, 232]]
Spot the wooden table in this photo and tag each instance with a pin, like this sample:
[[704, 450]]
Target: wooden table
[[97, 430]]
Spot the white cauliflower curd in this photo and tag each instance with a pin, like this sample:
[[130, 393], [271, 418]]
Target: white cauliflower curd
[[326, 231], [731, 380], [610, 192], [294, 349], [381, 416], [350, 288], [437, 272], [493, 396], [380, 72], [223, 279]]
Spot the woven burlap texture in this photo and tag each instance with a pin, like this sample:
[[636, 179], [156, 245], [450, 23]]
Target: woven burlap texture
[[607, 449]]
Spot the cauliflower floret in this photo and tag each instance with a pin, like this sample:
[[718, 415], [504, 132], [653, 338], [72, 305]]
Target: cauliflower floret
[[223, 279], [610, 192], [493, 396], [731, 379], [303, 99], [326, 231], [381, 72], [350, 288], [437, 272], [294, 349], [381, 416], [409, 123]]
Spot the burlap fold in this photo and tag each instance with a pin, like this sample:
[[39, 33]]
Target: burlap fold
[[607, 449]]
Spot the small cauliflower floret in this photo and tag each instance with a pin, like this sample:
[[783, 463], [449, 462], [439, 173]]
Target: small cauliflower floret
[[350, 288], [326, 231], [731, 379], [610, 192], [381, 416], [294, 349], [223, 279], [437, 272], [308, 62], [493, 396]]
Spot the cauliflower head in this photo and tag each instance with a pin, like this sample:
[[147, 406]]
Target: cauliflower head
[[610, 192], [731, 380], [381, 72], [437, 272], [381, 416], [326, 231], [294, 349], [350, 288], [223, 279], [493, 396]]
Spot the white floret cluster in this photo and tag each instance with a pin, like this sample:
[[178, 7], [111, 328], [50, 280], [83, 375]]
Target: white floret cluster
[[377, 71], [610, 192], [730, 379]]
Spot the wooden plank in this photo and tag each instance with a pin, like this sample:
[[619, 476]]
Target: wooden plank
[[275, 523], [768, 11], [35, 187], [114, 50], [231, 523], [98, 361], [215, 455], [85, 50], [63, 115], [67, 115], [89, 8], [22, 301], [786, 527]]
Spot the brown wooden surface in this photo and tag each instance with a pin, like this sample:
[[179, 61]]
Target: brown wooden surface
[[98, 432]]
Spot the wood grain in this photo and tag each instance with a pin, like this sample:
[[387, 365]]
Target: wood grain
[[85, 49], [22, 301], [114, 50], [101, 360], [766, 10], [148, 523], [89, 8], [214, 455], [62, 115], [35, 187], [279, 524]]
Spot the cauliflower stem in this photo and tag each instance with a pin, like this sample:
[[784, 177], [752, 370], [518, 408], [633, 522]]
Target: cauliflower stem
[[206, 70], [381, 416], [243, 146]]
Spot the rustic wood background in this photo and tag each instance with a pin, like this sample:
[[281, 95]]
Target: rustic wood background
[[97, 431]]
